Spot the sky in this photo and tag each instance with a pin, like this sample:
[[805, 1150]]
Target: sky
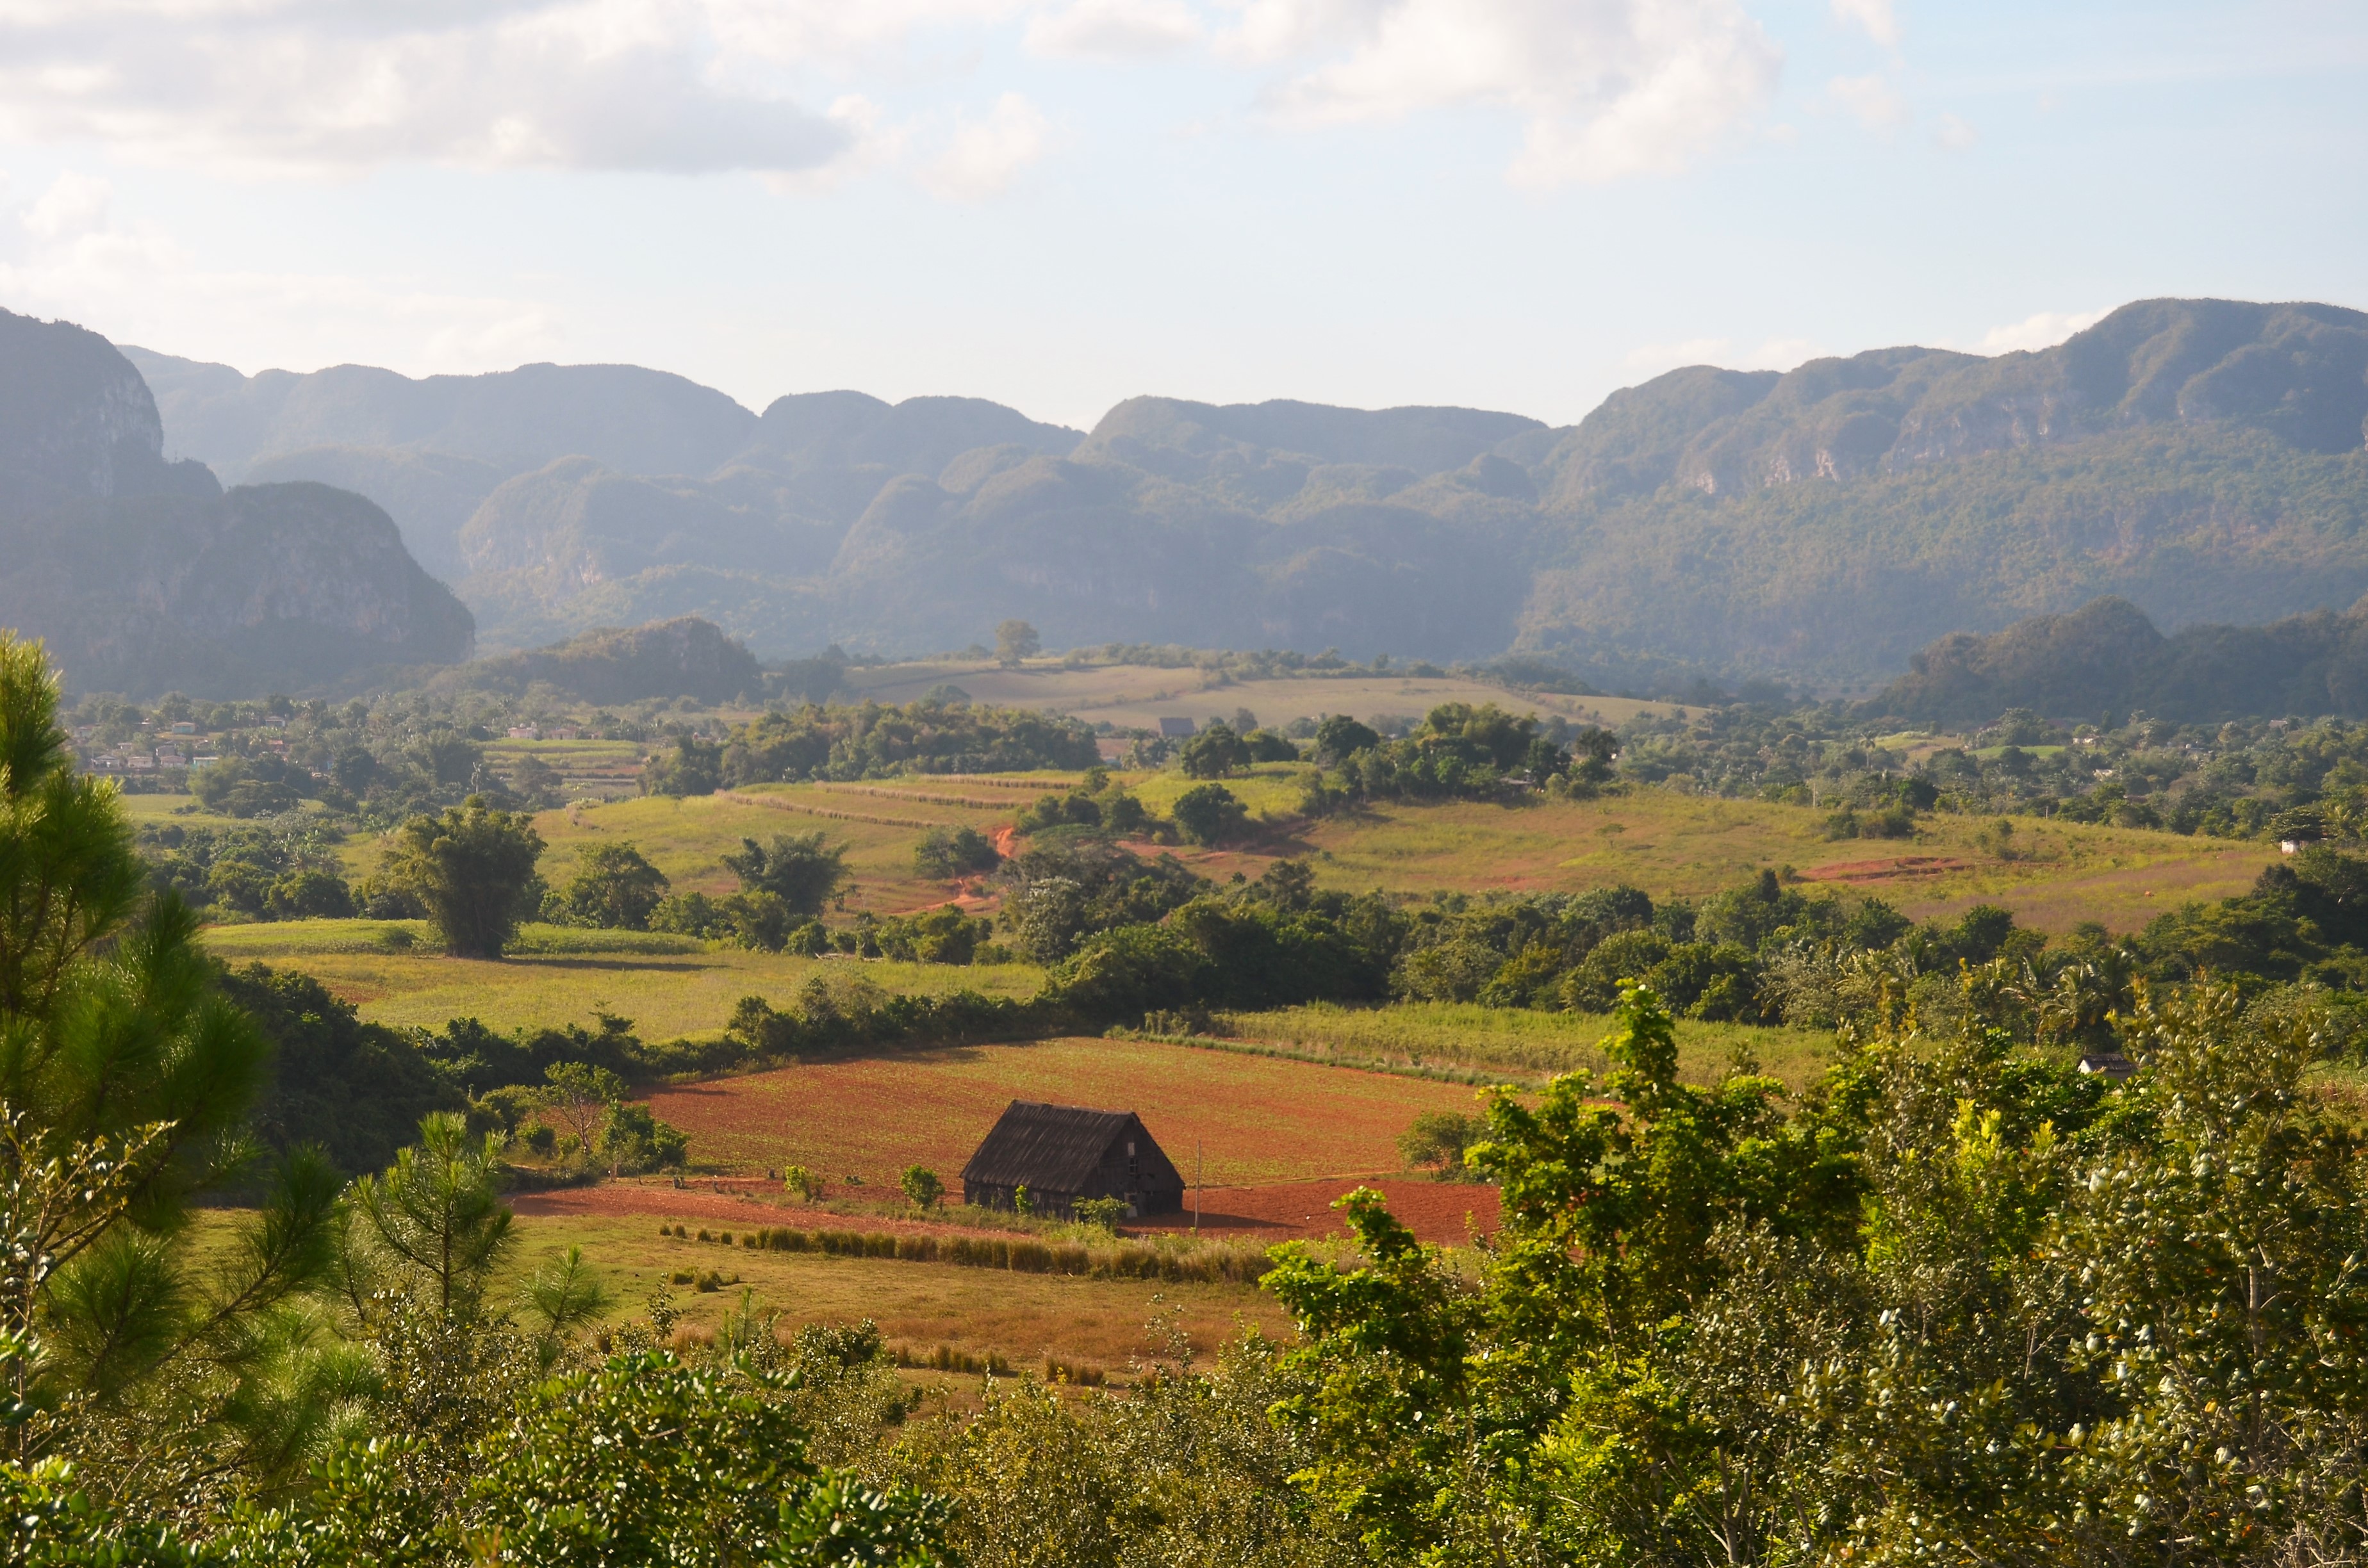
[[1057, 204]]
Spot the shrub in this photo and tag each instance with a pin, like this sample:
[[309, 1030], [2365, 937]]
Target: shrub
[[1102, 1213], [1437, 1140], [1209, 814]]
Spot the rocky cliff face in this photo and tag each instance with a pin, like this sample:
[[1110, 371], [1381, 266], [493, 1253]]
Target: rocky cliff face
[[143, 575], [77, 420]]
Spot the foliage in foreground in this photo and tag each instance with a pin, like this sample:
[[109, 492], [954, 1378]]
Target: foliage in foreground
[[1963, 1307]]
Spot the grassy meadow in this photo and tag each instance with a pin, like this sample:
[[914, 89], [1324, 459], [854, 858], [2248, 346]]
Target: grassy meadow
[[668, 985], [1139, 696], [2053, 875]]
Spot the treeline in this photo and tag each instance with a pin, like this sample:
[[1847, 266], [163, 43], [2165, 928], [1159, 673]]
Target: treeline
[[2107, 657], [872, 740]]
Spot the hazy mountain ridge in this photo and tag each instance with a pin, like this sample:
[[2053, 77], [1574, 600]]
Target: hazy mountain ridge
[[2200, 457], [144, 574]]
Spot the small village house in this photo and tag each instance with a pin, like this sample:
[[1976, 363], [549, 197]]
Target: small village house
[[1061, 1154]]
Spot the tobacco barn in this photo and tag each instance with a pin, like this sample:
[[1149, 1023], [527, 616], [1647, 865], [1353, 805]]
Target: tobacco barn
[[1062, 1152]]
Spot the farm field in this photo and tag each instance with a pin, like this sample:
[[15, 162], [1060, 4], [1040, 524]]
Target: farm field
[[686, 839], [1139, 696], [1258, 1120], [184, 811], [588, 770], [1669, 844], [1018, 1316], [1672, 845], [667, 993], [1518, 1042]]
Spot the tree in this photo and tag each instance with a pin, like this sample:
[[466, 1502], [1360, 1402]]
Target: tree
[[1267, 746], [1214, 753], [802, 870], [1438, 1140], [473, 869], [1207, 813], [921, 1186], [309, 895], [429, 1229], [803, 1182], [581, 1096], [1015, 641], [125, 1080], [947, 852], [1593, 750], [1339, 737], [695, 768], [614, 888], [633, 1139]]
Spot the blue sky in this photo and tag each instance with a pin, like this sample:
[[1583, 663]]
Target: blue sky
[[1510, 204]]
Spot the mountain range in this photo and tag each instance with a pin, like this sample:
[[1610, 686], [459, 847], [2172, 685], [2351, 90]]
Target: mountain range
[[2201, 459]]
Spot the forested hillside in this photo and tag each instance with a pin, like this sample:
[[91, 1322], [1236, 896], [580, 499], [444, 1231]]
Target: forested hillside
[[2108, 657], [2201, 459]]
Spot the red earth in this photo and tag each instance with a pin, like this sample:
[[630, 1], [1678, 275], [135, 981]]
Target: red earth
[[1253, 1120], [1435, 1211]]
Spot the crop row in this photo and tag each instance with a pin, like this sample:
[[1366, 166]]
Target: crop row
[[1214, 1265]]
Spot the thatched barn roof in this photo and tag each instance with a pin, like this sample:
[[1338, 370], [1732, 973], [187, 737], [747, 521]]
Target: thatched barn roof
[[1053, 1148]]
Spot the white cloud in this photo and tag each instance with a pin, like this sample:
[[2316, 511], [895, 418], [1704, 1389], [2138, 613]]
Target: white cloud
[[65, 255], [1880, 22], [1605, 88], [74, 205], [333, 86], [1115, 29], [1956, 135], [2043, 330], [1875, 103], [985, 156]]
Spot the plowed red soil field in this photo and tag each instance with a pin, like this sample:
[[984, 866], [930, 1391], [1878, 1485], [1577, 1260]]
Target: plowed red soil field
[[1258, 1120], [1436, 1212]]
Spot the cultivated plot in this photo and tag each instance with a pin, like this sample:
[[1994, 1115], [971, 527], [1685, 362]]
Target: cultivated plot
[[1256, 1120]]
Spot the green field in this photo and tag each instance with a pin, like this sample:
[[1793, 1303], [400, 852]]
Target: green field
[[588, 770], [1139, 696], [1517, 1041], [2053, 875], [687, 838], [667, 985]]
